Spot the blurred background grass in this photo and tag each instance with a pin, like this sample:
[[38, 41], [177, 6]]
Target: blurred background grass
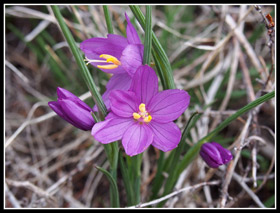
[[56, 157]]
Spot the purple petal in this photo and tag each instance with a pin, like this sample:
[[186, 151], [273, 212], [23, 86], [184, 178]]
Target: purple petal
[[55, 106], [132, 58], [123, 103], [111, 129], [113, 45], [137, 138], [65, 94], [131, 32], [118, 81], [144, 84], [225, 153], [166, 136], [78, 115], [211, 155], [168, 105]]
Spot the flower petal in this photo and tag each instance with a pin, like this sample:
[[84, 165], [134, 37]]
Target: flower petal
[[117, 81], [123, 103], [111, 129], [131, 33], [225, 153], [137, 138], [166, 136], [211, 155], [144, 84], [168, 105], [132, 58], [55, 106], [113, 45], [65, 94], [79, 116]]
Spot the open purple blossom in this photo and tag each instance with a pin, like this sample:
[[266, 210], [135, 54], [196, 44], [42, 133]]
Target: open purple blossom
[[117, 55], [142, 116], [214, 154], [72, 109]]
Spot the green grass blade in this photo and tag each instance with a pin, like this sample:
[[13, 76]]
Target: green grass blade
[[79, 59], [127, 182], [194, 150], [108, 19], [161, 60], [115, 202], [148, 36]]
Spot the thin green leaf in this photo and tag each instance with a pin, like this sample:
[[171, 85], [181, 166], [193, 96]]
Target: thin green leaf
[[161, 59], [127, 182], [148, 36], [108, 20], [115, 193], [194, 150], [79, 59]]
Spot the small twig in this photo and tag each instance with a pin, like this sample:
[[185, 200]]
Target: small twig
[[30, 186], [271, 33], [238, 179], [232, 164], [12, 198], [189, 188]]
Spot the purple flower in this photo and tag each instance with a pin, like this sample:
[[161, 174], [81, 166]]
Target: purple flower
[[142, 116], [72, 109], [214, 154], [115, 54]]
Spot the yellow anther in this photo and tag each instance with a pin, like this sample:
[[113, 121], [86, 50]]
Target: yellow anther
[[110, 58], [142, 108], [108, 67], [136, 116], [148, 119], [112, 62]]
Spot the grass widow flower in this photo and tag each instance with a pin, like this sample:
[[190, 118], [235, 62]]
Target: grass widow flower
[[72, 109], [142, 116], [117, 55], [214, 154]]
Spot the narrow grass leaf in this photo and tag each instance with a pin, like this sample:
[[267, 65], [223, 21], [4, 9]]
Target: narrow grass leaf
[[161, 59], [79, 59], [194, 150], [108, 20], [148, 36], [115, 193]]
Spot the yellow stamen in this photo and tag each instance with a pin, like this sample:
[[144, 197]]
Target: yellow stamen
[[108, 67], [142, 116], [136, 116], [142, 108], [110, 58], [112, 61], [148, 119]]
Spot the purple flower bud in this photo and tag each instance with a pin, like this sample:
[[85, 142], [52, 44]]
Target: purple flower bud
[[214, 154], [72, 109]]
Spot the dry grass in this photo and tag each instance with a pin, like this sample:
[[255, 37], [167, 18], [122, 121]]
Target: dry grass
[[222, 55]]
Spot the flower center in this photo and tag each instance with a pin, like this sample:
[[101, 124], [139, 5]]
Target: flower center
[[142, 115], [112, 62]]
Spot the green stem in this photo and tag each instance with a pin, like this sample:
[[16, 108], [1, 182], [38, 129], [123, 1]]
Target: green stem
[[79, 59], [161, 59], [148, 36], [114, 193], [108, 19]]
